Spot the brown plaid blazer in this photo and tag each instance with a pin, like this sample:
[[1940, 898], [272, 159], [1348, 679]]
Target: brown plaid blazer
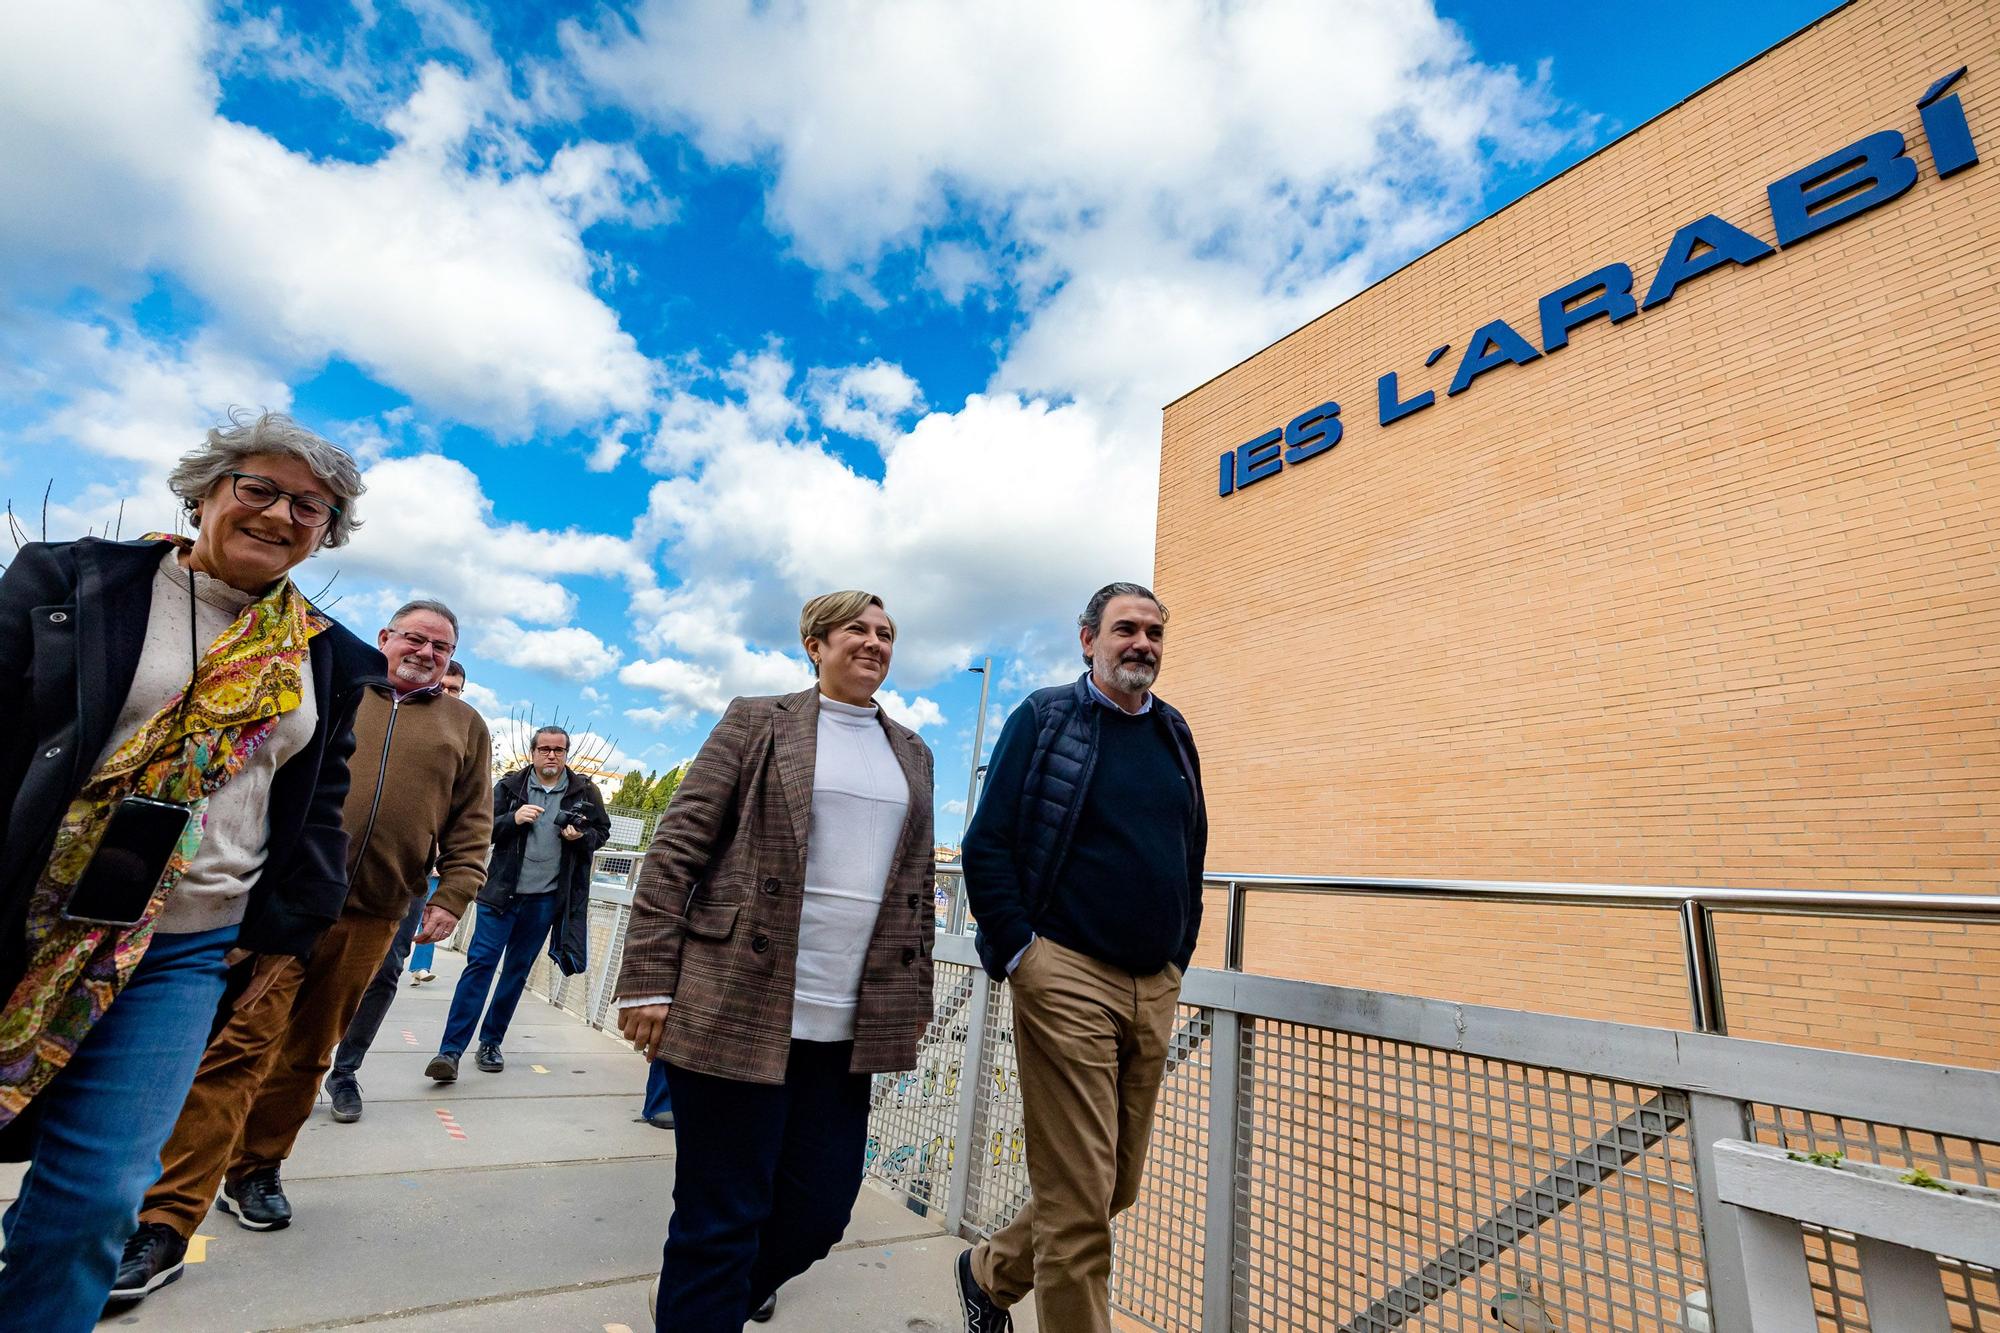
[[715, 912]]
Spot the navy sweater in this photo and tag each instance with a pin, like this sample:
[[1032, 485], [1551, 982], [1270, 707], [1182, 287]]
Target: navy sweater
[[1121, 893]]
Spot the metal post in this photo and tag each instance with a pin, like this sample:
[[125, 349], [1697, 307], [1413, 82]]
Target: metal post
[[1703, 965], [1710, 1119], [985, 670], [1233, 928], [971, 1083], [1218, 1278]]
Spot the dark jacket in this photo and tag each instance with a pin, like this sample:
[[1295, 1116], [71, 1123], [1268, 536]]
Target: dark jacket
[[73, 620], [1015, 846], [569, 943], [715, 911]]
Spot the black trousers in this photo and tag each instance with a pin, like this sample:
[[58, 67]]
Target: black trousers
[[381, 993], [764, 1182]]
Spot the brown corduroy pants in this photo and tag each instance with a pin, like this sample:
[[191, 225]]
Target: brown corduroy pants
[[1091, 1040], [260, 1075]]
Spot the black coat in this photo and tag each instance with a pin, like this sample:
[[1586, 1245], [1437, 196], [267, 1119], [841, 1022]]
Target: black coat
[[569, 942], [1018, 838], [73, 621]]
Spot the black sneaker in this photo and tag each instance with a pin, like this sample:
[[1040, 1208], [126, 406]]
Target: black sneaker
[[259, 1201], [981, 1314], [154, 1256], [345, 1090], [489, 1058], [443, 1068], [762, 1314]]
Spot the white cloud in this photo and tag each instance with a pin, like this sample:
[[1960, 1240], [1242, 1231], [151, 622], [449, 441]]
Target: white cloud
[[452, 267], [982, 521], [571, 653], [867, 402], [916, 714]]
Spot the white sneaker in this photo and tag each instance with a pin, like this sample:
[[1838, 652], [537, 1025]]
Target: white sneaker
[[418, 978]]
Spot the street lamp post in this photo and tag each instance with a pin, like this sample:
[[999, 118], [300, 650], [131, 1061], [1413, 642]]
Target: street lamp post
[[985, 670]]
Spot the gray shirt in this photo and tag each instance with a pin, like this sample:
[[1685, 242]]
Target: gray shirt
[[541, 856]]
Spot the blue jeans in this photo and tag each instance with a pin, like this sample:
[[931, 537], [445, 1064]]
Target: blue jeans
[[658, 1100], [100, 1126], [424, 955], [764, 1182], [508, 941]]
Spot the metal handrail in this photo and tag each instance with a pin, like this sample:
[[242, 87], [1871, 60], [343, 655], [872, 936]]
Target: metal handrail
[[1695, 904]]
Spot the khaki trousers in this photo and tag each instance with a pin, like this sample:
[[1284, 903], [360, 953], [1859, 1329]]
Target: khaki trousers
[[1091, 1040], [260, 1075]]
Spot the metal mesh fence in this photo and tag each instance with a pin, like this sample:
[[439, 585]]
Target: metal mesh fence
[[997, 1185], [1158, 1244], [1399, 1186], [913, 1117], [1972, 1292]]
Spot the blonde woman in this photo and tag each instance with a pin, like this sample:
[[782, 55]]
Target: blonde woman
[[779, 954]]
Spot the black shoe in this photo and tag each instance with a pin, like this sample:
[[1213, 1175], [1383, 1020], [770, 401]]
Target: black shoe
[[489, 1058], [443, 1068], [762, 1314], [259, 1201], [154, 1256], [346, 1093], [981, 1314], [664, 1120]]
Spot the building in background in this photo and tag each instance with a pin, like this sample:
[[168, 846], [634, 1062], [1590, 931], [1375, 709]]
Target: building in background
[[1656, 540]]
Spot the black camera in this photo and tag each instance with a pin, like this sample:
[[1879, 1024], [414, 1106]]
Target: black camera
[[569, 819]]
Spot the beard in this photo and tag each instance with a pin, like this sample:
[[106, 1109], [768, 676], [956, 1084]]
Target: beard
[[1135, 674]]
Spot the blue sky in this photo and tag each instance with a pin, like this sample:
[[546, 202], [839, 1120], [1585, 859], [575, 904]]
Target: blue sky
[[650, 320]]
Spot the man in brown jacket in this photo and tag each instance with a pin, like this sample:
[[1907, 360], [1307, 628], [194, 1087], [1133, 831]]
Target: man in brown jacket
[[421, 769]]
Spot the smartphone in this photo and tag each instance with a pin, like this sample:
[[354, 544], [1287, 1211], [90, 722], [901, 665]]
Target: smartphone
[[129, 862]]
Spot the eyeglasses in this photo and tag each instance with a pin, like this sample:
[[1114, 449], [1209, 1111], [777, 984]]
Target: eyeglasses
[[259, 493], [551, 749], [419, 642]]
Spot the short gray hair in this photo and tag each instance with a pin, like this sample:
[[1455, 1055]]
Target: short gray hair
[[550, 730], [227, 447], [1092, 618], [436, 608]]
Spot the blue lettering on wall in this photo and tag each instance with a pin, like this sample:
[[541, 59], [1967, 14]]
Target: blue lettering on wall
[[1945, 129], [1389, 407], [1492, 345], [1613, 300], [1864, 175], [1312, 432], [1725, 244], [1861, 176], [1259, 458]]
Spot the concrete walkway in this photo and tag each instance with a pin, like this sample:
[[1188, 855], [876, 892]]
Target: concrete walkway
[[546, 1215]]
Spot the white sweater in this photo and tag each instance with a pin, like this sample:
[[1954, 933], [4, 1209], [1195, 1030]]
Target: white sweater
[[860, 799]]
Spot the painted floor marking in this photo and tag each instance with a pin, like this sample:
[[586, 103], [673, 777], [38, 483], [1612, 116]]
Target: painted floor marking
[[197, 1252], [451, 1126], [539, 1069], [409, 1037], [617, 1328]]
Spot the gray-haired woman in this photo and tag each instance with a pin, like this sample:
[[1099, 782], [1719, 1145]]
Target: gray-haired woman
[[173, 758]]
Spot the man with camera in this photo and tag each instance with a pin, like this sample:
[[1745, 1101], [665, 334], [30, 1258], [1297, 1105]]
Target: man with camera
[[547, 820]]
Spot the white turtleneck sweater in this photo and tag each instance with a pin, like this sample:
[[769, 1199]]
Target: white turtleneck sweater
[[214, 893], [860, 798]]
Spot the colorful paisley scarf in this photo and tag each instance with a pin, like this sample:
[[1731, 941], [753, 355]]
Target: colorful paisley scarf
[[249, 676]]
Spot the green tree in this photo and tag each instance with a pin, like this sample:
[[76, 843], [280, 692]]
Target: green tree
[[633, 792], [664, 788]]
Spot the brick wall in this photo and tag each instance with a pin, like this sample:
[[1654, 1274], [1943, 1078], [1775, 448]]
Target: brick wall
[[1706, 597]]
